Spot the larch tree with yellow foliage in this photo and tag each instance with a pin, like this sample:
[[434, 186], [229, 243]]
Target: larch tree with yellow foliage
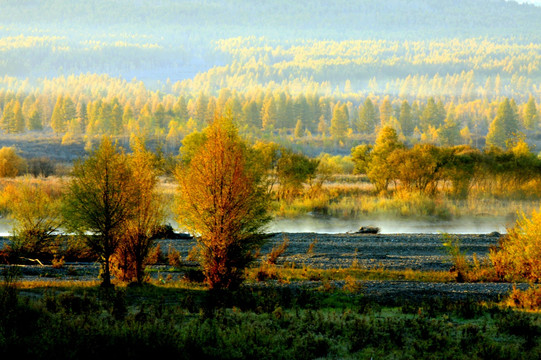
[[223, 202]]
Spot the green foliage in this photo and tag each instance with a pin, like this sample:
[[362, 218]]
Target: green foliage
[[462, 164], [100, 199], [449, 133], [458, 257], [418, 169], [337, 164], [531, 116], [406, 119], [12, 120], [360, 155], [339, 122], [41, 167], [262, 323], [293, 170], [380, 171], [433, 114], [504, 127]]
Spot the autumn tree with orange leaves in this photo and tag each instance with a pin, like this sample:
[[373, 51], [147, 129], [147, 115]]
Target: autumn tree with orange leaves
[[223, 201]]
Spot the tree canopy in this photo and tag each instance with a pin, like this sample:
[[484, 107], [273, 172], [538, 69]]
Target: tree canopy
[[223, 201]]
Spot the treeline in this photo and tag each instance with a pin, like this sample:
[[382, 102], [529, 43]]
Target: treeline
[[91, 105], [457, 69], [429, 169]]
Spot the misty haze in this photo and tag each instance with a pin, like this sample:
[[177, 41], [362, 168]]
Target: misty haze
[[189, 179]]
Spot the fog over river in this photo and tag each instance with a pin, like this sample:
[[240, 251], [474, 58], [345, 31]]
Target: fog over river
[[328, 225], [481, 225]]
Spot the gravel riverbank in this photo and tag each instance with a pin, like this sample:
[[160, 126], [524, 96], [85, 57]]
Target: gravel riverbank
[[389, 251]]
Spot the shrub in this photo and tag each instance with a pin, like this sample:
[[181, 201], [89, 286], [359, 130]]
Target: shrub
[[173, 257], [519, 252], [34, 209], [529, 299], [458, 257], [277, 251], [57, 262], [11, 164], [41, 166]]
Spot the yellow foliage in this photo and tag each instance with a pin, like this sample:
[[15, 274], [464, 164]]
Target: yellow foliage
[[519, 254], [11, 164]]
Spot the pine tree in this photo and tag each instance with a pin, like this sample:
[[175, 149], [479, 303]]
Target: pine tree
[[68, 110], [34, 120], [504, 126], [251, 114], [385, 112], [180, 109], [367, 117], [18, 125], [82, 116], [449, 133], [339, 122], [299, 129], [322, 126], [531, 116], [268, 113], [201, 107], [406, 119], [58, 122], [7, 117]]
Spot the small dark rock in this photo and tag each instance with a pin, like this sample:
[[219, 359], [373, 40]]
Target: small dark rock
[[368, 230], [167, 232], [495, 234]]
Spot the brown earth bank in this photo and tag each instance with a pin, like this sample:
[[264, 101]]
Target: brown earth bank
[[423, 252]]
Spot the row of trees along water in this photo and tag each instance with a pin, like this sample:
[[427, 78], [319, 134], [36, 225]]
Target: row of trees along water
[[95, 105], [111, 202], [428, 168], [225, 185]]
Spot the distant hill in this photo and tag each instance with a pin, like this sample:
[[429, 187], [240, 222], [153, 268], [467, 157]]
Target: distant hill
[[150, 39]]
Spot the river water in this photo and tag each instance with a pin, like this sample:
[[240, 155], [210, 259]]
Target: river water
[[482, 225], [327, 225]]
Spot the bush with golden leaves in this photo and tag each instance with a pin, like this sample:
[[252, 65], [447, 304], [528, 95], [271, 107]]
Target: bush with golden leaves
[[518, 255]]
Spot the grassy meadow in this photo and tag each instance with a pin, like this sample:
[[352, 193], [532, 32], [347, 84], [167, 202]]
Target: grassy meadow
[[185, 320]]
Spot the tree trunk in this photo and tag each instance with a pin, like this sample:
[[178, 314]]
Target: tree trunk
[[106, 274], [139, 270]]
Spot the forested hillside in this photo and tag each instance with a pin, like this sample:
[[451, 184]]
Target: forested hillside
[[175, 39], [319, 75]]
